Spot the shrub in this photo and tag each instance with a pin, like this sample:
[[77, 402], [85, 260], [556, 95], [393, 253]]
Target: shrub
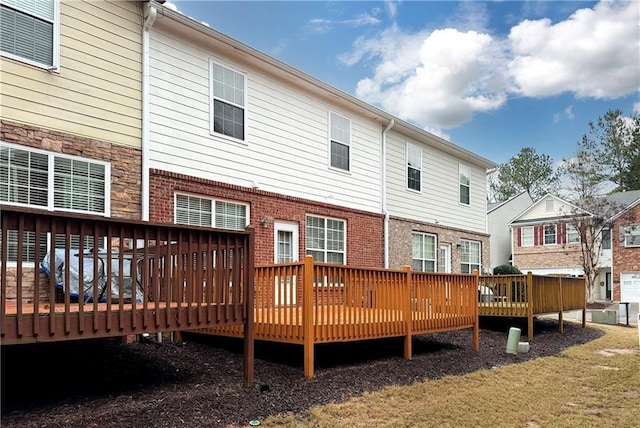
[[506, 270]]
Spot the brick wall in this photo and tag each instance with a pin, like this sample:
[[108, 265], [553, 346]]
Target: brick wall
[[560, 255], [401, 248], [364, 229], [625, 259]]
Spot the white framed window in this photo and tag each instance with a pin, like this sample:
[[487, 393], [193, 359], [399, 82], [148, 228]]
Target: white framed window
[[56, 182], [632, 235], [326, 239], [470, 256], [30, 32], [465, 184], [526, 236], [340, 142], [414, 167], [573, 235], [550, 234], [206, 212], [228, 101], [424, 252]]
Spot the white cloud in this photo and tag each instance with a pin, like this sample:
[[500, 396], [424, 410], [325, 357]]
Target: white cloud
[[172, 6], [321, 25], [440, 78], [594, 53], [636, 108]]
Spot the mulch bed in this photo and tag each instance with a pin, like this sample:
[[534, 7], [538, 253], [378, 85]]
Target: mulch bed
[[198, 383]]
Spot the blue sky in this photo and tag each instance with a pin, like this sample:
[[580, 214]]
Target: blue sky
[[491, 77]]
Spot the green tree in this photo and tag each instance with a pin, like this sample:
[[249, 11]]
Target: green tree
[[526, 171]]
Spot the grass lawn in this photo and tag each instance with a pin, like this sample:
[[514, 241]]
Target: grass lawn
[[597, 384]]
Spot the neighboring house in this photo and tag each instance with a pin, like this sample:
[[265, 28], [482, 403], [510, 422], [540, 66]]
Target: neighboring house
[[625, 247], [499, 214], [70, 108], [543, 239], [237, 138]]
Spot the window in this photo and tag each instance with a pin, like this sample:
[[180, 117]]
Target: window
[[573, 235], [228, 99], [606, 239], [414, 167], [29, 31], [470, 256], [326, 239], [36, 178], [340, 141], [632, 235], [424, 252], [465, 184], [197, 211], [526, 236], [550, 235]]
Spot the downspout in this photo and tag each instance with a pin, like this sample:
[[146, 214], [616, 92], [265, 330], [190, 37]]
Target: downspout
[[384, 192], [150, 13]]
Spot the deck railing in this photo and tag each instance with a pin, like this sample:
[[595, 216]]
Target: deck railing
[[109, 277], [309, 303], [531, 295]]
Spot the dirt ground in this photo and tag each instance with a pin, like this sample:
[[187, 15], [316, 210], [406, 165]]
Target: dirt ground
[[198, 383]]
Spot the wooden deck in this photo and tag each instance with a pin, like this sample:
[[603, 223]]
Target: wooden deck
[[130, 278], [528, 296], [311, 303]]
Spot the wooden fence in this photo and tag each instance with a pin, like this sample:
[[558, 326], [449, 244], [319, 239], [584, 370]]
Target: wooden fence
[[527, 296], [109, 277], [309, 303]]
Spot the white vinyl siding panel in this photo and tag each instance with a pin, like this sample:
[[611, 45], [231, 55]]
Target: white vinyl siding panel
[[97, 91], [286, 144], [439, 198], [539, 210]]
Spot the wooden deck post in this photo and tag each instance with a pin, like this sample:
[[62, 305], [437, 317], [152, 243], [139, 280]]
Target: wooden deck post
[[408, 319], [249, 304], [307, 316], [560, 324], [529, 305], [476, 312]]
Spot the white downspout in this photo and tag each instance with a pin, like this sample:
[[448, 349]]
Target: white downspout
[[384, 192], [150, 13]]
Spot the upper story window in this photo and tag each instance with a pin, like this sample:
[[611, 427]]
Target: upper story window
[[550, 234], [424, 252], [632, 235], [340, 136], [29, 31], [228, 95], [526, 236], [606, 239], [326, 239], [35, 178], [414, 167], [470, 256], [573, 235], [465, 184], [205, 212]]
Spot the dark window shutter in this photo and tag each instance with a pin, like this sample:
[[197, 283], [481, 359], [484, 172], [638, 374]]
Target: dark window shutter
[[519, 235]]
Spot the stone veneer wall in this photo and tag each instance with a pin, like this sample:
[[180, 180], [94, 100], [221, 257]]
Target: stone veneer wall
[[365, 244], [625, 259], [401, 247]]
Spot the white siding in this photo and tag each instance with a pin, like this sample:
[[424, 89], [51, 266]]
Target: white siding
[[439, 200], [286, 148], [539, 210], [499, 218]]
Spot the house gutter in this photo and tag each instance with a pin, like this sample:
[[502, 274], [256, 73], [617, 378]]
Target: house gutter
[[150, 13], [384, 192]]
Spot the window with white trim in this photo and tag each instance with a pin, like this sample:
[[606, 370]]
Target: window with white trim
[[470, 256], [550, 234], [573, 235], [424, 252], [326, 239], [29, 31], [414, 167], [465, 184], [340, 140], [526, 236], [197, 211], [632, 235], [228, 100]]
